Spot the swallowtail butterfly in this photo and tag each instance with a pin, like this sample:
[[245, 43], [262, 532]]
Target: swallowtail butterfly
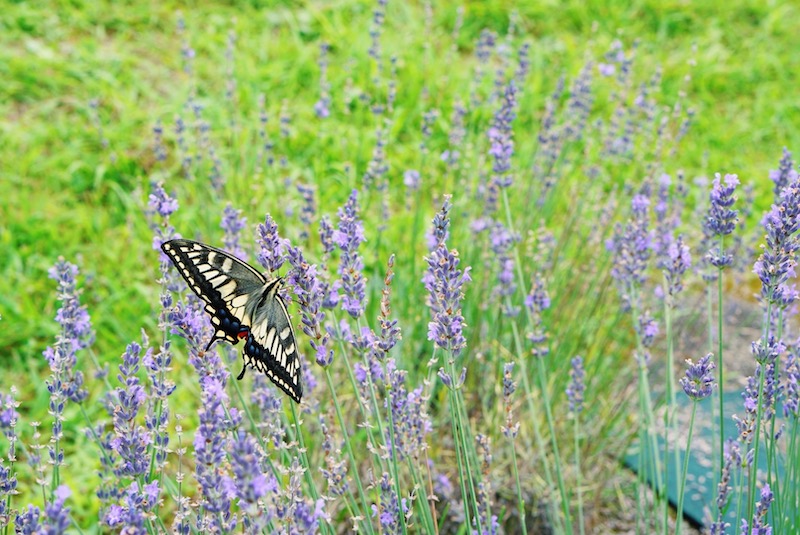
[[243, 306]]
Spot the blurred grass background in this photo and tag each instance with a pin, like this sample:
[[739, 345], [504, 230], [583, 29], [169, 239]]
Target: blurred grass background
[[74, 179]]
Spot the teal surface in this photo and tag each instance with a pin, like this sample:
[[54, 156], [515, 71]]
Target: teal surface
[[701, 493]]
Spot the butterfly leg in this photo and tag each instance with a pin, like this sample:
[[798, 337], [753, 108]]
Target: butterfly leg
[[243, 332]]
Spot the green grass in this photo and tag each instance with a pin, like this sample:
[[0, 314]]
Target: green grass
[[62, 193]]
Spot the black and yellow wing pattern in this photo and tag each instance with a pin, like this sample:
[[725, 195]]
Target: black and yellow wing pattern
[[243, 305]]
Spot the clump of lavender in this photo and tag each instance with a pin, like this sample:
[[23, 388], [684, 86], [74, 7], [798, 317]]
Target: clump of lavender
[[349, 236], [444, 282], [576, 386]]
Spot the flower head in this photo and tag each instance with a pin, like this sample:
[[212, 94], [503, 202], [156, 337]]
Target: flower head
[[699, 380], [444, 282]]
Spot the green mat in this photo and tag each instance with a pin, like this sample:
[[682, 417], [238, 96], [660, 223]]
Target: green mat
[[701, 494]]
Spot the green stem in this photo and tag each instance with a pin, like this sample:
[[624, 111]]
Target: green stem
[[720, 377], [346, 435], [679, 517], [578, 482]]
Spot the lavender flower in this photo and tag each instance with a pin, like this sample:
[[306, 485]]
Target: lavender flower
[[536, 302], [500, 137], [389, 510], [456, 136], [411, 179], [733, 458], [721, 219], [784, 175], [776, 265], [631, 248], [390, 332], [678, 259], [699, 380], [647, 329], [409, 415], [309, 208], [349, 236], [250, 483], [309, 295], [131, 441], [65, 382], [210, 443], [322, 108], [759, 525], [131, 516], [502, 242], [444, 282], [791, 402], [510, 429], [273, 247], [576, 386], [335, 471], [162, 205], [233, 223]]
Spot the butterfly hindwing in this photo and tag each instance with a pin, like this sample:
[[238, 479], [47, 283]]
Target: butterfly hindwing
[[271, 346], [242, 304]]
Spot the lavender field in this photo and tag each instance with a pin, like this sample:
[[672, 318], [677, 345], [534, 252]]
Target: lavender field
[[540, 266]]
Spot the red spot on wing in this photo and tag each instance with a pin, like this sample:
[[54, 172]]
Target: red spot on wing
[[243, 333]]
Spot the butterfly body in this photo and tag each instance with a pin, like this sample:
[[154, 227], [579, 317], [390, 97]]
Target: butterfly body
[[243, 305]]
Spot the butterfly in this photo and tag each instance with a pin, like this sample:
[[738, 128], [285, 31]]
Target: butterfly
[[243, 305]]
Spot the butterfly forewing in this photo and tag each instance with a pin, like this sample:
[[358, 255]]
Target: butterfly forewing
[[242, 304]]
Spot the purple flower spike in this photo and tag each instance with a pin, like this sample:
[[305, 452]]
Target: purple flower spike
[[273, 247], [784, 175], [760, 525], [721, 219], [677, 261], [309, 294], [160, 203], [233, 223], [776, 265], [699, 381], [576, 385], [501, 144], [349, 236], [444, 282], [510, 429]]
